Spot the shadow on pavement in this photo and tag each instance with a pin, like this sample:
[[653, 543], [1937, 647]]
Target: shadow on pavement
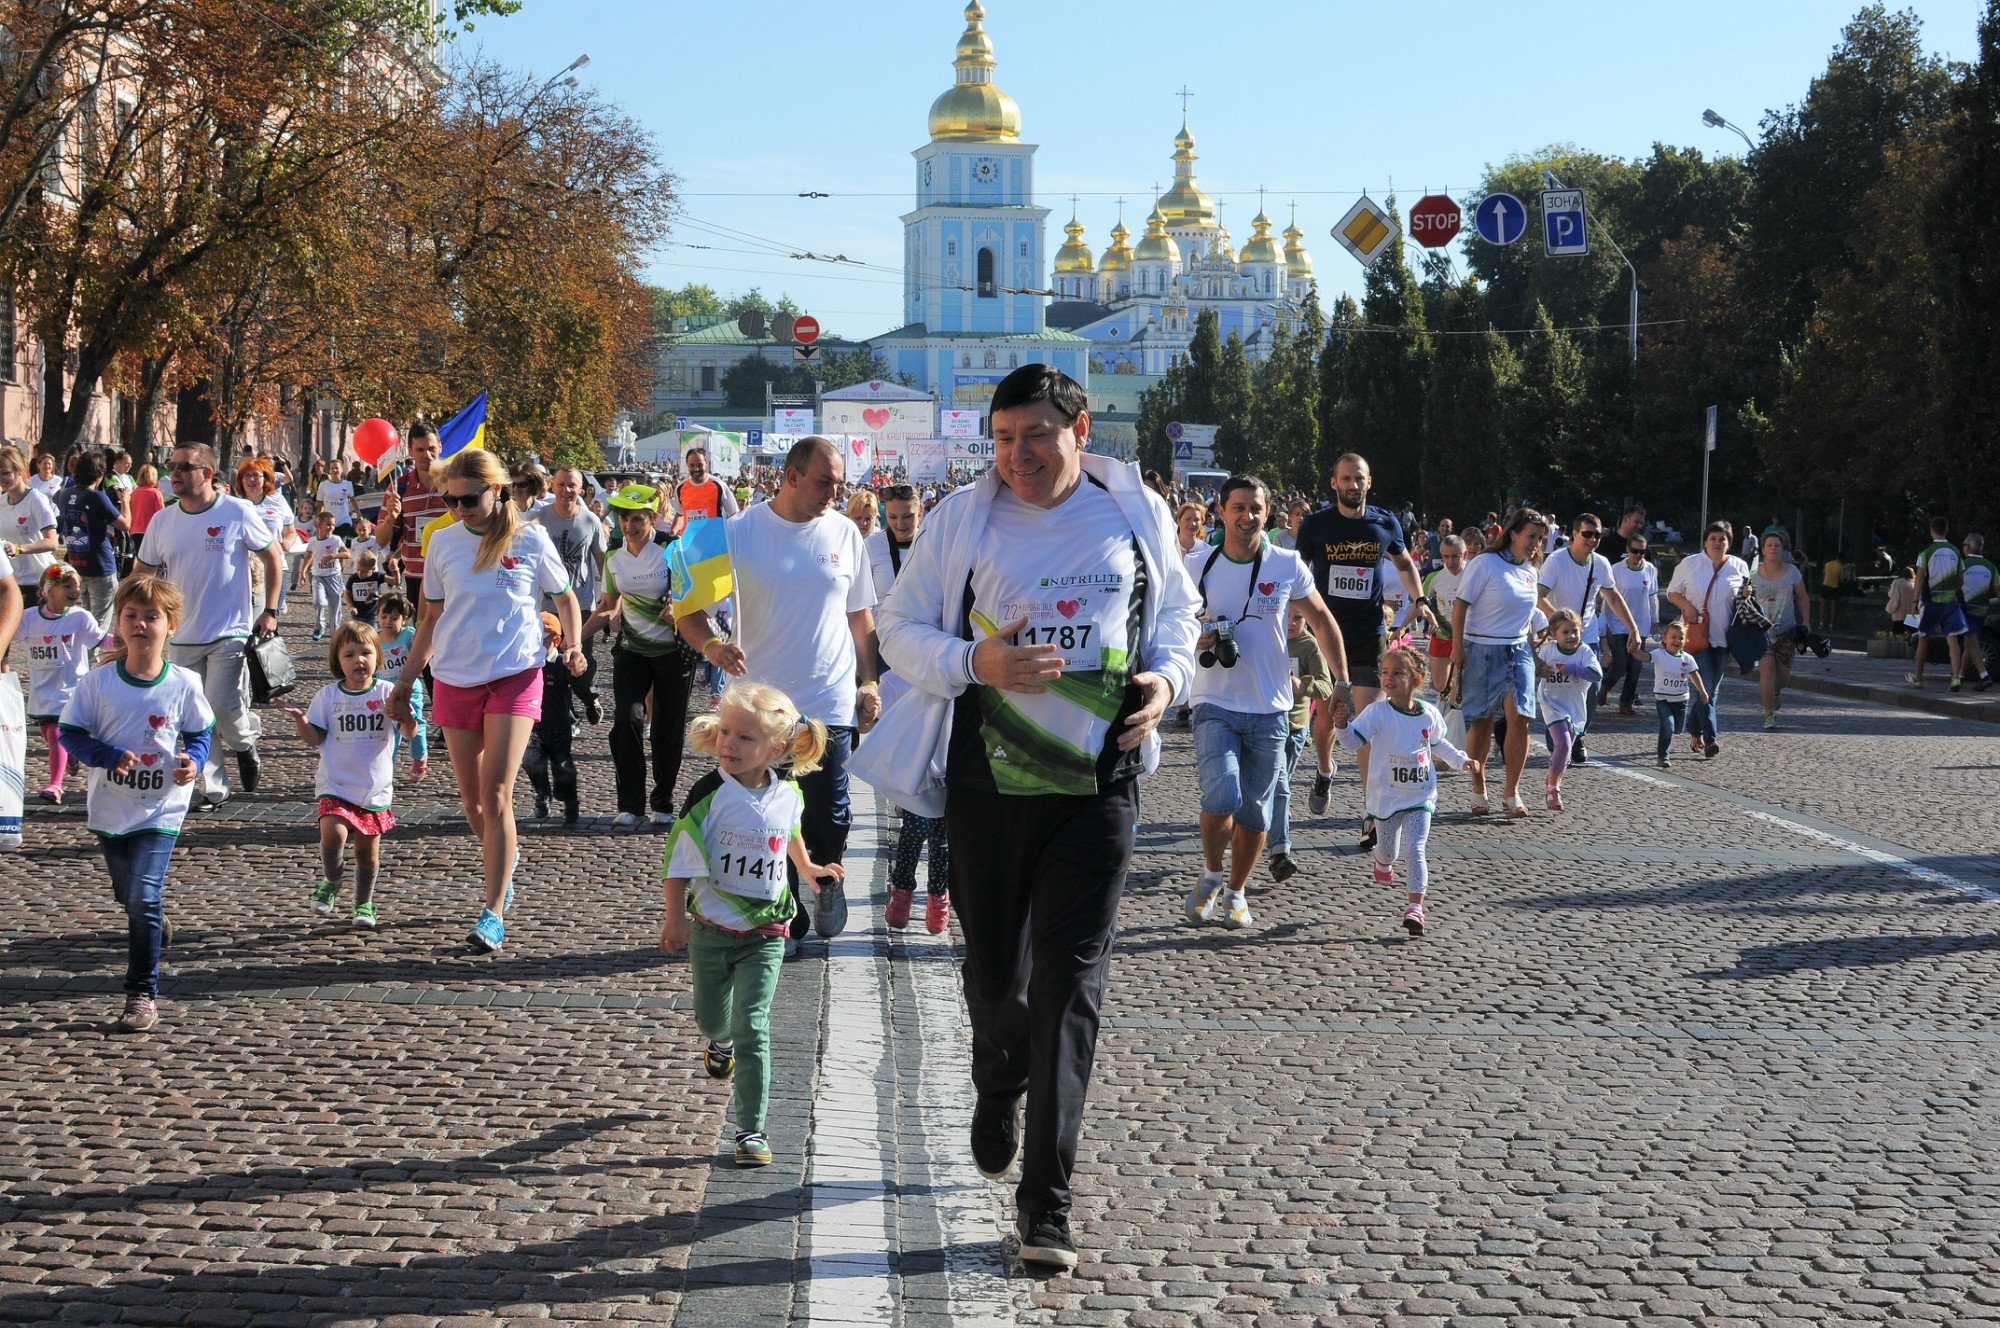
[[1771, 961]]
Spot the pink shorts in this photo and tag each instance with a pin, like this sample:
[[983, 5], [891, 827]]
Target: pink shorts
[[467, 707]]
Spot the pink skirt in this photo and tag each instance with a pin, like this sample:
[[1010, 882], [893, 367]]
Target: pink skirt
[[364, 822]]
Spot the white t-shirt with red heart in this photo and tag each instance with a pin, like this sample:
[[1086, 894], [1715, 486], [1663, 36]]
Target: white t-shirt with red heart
[[1261, 681], [207, 555], [489, 622], [357, 762], [147, 719]]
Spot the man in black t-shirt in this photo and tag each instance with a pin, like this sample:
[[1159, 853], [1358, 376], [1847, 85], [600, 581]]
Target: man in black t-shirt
[[1346, 545]]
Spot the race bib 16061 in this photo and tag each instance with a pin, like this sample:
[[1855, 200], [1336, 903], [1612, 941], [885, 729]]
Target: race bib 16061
[[1350, 582]]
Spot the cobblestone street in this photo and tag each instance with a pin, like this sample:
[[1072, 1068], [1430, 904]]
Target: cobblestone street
[[1715, 1045]]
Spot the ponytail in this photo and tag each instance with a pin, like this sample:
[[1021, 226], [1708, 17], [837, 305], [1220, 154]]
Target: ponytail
[[808, 745]]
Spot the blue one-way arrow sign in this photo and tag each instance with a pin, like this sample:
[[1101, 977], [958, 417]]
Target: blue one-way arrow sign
[[1500, 219]]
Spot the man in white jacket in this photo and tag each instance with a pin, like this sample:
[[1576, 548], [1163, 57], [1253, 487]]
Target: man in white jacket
[[1049, 601]]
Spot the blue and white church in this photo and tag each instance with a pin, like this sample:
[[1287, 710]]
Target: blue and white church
[[977, 303]]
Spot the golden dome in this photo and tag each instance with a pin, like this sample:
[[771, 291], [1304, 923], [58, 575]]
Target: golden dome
[[1261, 248], [1074, 256], [973, 110], [1118, 258], [1298, 263], [1185, 204], [1156, 246]]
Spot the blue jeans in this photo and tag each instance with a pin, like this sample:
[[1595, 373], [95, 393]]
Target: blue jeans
[[1673, 719], [138, 867], [1281, 794], [1701, 714], [825, 820], [1236, 756]]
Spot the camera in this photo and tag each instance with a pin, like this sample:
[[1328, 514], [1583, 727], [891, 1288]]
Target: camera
[[1225, 651], [1811, 640]]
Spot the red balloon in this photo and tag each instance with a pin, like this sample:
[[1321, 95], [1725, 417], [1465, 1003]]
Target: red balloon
[[375, 439]]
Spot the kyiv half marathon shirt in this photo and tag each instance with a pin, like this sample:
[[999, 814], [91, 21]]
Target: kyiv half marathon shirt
[[729, 846], [206, 554], [1073, 572], [1566, 695], [1261, 682], [1400, 743], [1346, 553], [149, 719], [59, 647], [357, 762], [646, 612], [796, 582]]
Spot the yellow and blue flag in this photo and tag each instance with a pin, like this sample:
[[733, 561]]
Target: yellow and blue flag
[[699, 574], [465, 429]]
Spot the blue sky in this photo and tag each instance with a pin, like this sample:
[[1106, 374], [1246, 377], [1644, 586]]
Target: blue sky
[[753, 102]]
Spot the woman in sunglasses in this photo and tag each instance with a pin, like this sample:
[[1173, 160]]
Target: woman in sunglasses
[[487, 574]]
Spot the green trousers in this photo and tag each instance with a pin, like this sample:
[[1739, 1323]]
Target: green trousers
[[735, 980]]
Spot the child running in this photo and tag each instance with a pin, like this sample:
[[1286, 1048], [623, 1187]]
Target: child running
[[349, 722], [143, 726], [364, 588], [396, 633], [1674, 672], [1400, 733], [59, 636], [725, 863], [1568, 670], [326, 554]]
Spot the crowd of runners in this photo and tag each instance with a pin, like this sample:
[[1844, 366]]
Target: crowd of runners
[[997, 663]]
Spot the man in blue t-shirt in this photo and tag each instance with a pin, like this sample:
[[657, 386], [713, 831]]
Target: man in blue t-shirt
[[1346, 545]]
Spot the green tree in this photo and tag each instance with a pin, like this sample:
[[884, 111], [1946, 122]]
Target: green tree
[[1388, 369], [690, 301], [1332, 409], [1467, 457], [1204, 366], [1546, 413], [1232, 407], [1159, 406]]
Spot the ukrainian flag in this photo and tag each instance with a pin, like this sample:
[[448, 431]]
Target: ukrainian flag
[[700, 576], [463, 430]]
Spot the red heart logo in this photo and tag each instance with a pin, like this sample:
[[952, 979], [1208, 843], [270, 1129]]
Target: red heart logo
[[510, 563], [876, 417], [156, 720], [215, 530], [1266, 587], [22, 521], [374, 705], [47, 639], [149, 758], [1068, 607], [775, 843], [66, 637]]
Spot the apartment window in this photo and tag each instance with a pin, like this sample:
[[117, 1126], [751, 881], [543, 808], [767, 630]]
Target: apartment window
[[6, 335], [708, 378]]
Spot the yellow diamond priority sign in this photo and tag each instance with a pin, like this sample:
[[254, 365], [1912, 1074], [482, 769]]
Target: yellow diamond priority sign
[[1366, 231]]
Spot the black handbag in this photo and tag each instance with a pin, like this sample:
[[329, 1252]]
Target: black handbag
[[271, 671]]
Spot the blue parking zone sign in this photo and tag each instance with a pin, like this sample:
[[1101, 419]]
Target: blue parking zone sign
[[1563, 233]]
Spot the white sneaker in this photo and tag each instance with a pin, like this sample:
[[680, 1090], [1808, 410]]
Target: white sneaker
[[663, 818], [1201, 900], [1236, 911], [624, 820]]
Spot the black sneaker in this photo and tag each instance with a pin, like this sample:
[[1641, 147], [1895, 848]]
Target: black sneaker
[[996, 1136], [1282, 867], [541, 806], [249, 769], [570, 811], [1045, 1241], [1321, 789], [830, 913], [1577, 755], [1368, 837]]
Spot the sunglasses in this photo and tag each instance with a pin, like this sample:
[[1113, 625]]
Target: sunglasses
[[464, 499], [898, 493], [185, 467], [1591, 535]]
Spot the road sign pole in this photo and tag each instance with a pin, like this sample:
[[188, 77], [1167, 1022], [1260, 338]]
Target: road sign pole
[[1707, 451]]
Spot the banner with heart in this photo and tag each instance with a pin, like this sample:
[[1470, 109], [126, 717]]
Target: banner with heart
[[858, 451], [876, 417]]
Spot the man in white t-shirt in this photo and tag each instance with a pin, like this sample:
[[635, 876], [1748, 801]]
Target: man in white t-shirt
[[1578, 578], [805, 623], [337, 496], [204, 544], [1242, 690], [1638, 580]]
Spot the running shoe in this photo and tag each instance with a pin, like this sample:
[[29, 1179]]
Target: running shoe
[[752, 1150], [1665, 762], [1770, 723], [1385, 872], [1516, 809], [1914, 681], [1555, 798], [324, 893], [593, 709], [937, 913], [1367, 841], [141, 1013], [489, 933], [663, 818], [1045, 1240], [830, 917], [1577, 754], [1236, 911], [1316, 800], [719, 1060], [1201, 900], [249, 769], [1413, 919], [364, 916], [1985, 681], [897, 914], [996, 1135], [1955, 683], [625, 820], [541, 806], [570, 811], [1283, 868]]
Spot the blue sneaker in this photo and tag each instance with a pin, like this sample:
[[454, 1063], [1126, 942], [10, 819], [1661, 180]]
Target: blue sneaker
[[489, 933]]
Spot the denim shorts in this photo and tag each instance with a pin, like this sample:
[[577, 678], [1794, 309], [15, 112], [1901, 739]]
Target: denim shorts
[[1237, 756], [1491, 672]]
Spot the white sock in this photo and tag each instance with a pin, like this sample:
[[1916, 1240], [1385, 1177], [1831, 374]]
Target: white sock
[[1234, 898]]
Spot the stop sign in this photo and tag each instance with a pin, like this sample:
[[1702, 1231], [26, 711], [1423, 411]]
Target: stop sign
[[1435, 220], [805, 329]]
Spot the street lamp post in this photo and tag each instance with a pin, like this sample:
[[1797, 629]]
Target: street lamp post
[[1714, 121], [1550, 181]]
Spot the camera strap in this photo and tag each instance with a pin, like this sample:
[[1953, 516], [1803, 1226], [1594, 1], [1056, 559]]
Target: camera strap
[[1256, 564]]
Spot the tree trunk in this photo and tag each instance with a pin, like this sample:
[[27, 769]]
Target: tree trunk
[[152, 386]]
